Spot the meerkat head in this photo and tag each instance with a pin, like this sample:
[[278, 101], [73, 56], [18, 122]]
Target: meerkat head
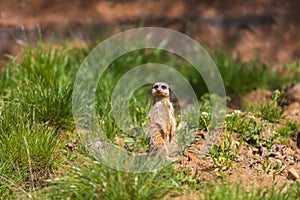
[[160, 90]]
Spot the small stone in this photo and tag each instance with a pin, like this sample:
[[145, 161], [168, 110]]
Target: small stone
[[193, 158], [118, 141], [264, 152], [278, 148], [193, 171], [275, 163], [98, 144], [291, 110], [255, 150], [256, 157], [241, 158], [292, 93], [71, 146], [284, 172], [291, 162], [293, 107], [280, 157], [293, 174], [289, 151]]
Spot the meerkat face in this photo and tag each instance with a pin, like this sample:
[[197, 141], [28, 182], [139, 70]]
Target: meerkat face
[[160, 89]]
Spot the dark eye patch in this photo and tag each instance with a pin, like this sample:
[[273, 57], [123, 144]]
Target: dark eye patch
[[155, 86], [164, 87]]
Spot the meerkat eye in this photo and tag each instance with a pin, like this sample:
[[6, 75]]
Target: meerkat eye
[[155, 86], [164, 87]]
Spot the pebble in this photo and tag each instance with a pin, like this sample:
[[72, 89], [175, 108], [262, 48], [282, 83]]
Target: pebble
[[71, 146], [291, 161], [297, 158], [118, 141], [241, 158], [293, 93], [293, 174], [292, 99], [255, 150], [289, 151], [264, 152], [277, 155]]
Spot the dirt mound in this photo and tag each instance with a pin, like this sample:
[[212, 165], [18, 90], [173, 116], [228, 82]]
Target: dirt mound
[[249, 166]]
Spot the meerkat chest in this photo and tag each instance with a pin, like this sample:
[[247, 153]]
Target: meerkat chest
[[161, 112]]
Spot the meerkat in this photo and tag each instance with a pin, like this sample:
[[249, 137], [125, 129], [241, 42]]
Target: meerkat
[[162, 123]]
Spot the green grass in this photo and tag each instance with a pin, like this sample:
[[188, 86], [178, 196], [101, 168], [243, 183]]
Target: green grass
[[271, 111], [240, 78], [36, 123], [35, 108], [92, 180], [217, 191], [42, 82], [29, 151]]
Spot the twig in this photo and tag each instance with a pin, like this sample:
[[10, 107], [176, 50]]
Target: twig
[[30, 168]]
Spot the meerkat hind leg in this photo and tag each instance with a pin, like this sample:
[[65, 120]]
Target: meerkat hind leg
[[158, 145]]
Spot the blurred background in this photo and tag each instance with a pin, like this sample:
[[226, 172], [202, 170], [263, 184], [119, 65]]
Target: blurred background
[[267, 30]]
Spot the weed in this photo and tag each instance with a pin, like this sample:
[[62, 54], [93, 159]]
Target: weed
[[234, 121], [205, 110], [229, 191], [247, 128], [288, 130], [251, 131], [224, 155], [204, 121], [182, 175], [271, 111]]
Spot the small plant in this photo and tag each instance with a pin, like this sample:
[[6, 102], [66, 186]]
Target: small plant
[[268, 167], [247, 128], [271, 111], [183, 177], [205, 110], [224, 155], [204, 121], [234, 120], [288, 130]]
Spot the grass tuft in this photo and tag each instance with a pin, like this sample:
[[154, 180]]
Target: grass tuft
[[95, 181]]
